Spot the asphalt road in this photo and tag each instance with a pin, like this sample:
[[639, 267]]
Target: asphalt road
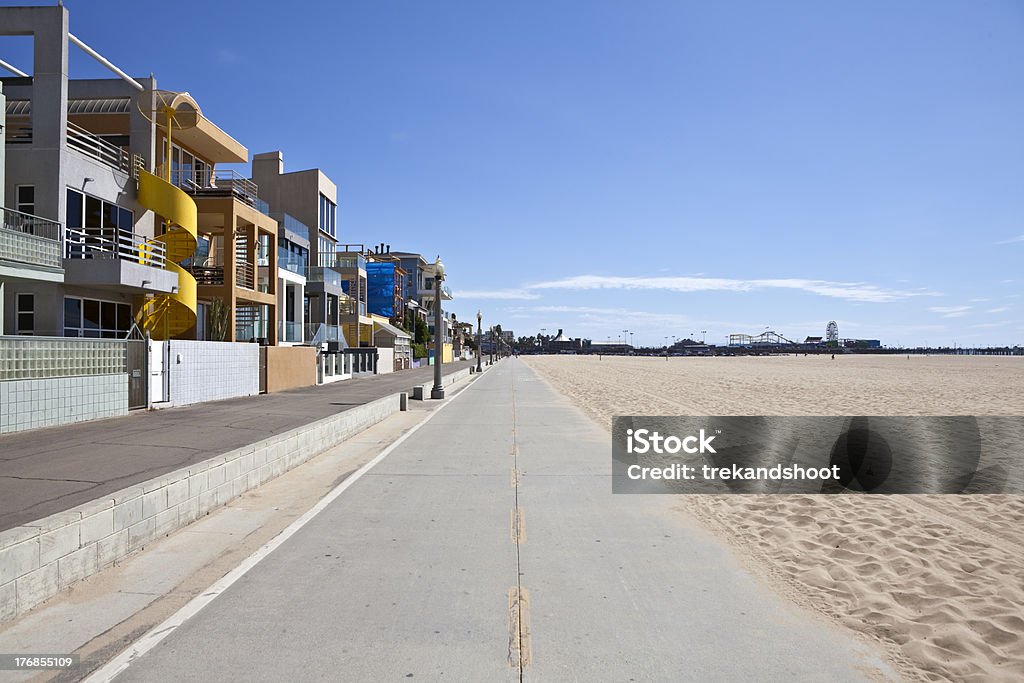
[[45, 471], [489, 547]]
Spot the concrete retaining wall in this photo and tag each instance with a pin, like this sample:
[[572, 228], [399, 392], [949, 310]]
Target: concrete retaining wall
[[422, 391], [39, 559]]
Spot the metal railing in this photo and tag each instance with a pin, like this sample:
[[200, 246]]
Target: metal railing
[[216, 182], [25, 238], [29, 224], [245, 275], [208, 275], [114, 244], [97, 148], [347, 260], [18, 134]]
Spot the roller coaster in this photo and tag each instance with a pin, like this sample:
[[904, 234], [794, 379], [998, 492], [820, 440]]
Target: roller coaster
[[768, 338]]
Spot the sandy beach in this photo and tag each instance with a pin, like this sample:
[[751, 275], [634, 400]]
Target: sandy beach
[[937, 580]]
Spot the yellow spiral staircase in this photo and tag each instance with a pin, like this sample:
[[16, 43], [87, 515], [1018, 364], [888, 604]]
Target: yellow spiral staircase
[[166, 316]]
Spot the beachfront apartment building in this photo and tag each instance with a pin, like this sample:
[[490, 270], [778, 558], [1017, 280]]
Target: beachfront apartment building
[[292, 268], [310, 199], [147, 237], [419, 294], [350, 263], [385, 285]]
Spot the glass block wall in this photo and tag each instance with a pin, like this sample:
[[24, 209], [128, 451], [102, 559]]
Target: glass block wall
[[40, 358]]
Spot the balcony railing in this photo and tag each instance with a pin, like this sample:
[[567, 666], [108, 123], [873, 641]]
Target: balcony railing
[[25, 238], [446, 292], [325, 275], [318, 333], [114, 244], [245, 275], [208, 275], [288, 331], [296, 263], [95, 147], [294, 225], [345, 260], [217, 183]]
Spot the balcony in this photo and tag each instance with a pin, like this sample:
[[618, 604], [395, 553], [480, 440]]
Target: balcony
[[295, 263], [110, 257], [344, 260], [290, 332], [29, 239], [318, 333], [325, 275], [293, 225], [98, 149], [216, 183], [428, 293], [212, 274], [104, 243]]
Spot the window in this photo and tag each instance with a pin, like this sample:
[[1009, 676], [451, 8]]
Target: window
[[328, 216], [26, 199], [26, 314], [93, 318], [94, 224], [327, 247], [188, 171]]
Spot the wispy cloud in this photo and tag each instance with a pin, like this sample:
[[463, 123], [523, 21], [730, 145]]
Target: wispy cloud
[[496, 294], [851, 291], [1013, 240], [950, 311], [596, 315], [998, 309]]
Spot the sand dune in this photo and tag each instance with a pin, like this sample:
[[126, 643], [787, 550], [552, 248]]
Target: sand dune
[[938, 580]]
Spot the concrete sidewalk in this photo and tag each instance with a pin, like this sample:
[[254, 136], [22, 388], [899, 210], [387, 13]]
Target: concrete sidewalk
[[489, 547], [45, 471]]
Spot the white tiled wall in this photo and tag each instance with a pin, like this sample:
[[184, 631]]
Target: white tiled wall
[[32, 403], [210, 371]]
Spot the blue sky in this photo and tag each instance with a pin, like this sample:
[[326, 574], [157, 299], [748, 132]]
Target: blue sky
[[665, 167]]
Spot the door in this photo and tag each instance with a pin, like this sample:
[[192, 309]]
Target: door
[[138, 377], [263, 369]]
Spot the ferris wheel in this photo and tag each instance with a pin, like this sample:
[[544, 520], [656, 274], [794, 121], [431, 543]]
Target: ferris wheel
[[832, 332]]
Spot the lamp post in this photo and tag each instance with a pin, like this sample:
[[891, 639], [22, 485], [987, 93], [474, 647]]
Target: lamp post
[[438, 391], [479, 338], [490, 334]]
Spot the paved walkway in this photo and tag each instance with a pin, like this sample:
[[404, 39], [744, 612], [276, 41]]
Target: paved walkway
[[488, 546], [45, 471]]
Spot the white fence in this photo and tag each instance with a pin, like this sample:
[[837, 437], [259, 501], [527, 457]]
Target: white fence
[[184, 372]]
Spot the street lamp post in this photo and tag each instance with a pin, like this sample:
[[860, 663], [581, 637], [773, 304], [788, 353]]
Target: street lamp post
[[490, 333], [479, 339], [438, 391]]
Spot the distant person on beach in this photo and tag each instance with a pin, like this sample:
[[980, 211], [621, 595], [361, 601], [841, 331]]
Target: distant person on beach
[[833, 356]]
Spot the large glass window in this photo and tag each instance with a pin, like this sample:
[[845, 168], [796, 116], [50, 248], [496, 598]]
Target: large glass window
[[328, 216], [94, 318], [94, 224]]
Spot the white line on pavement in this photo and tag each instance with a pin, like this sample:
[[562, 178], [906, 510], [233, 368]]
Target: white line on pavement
[[118, 664]]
